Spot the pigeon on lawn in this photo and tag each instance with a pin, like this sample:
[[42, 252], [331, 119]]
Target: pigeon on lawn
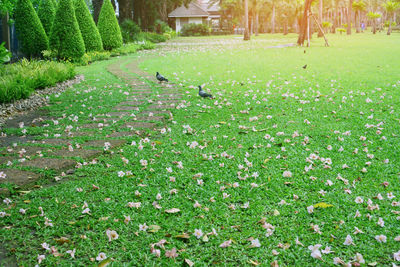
[[161, 78], [203, 94]]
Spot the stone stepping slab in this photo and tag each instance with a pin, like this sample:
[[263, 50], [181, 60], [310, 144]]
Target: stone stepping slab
[[169, 101], [29, 150], [149, 118], [164, 98], [142, 92], [148, 112], [5, 160], [32, 118], [101, 143], [126, 108], [82, 153], [11, 139], [138, 125], [49, 163], [19, 177], [119, 114], [158, 107], [169, 94], [132, 103], [83, 133], [94, 125], [55, 141], [124, 134]]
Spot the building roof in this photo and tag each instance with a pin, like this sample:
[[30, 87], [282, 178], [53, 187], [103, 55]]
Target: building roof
[[193, 10]]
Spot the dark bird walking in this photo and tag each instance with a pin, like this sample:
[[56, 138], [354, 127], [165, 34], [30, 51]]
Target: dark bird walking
[[161, 78], [203, 94], [305, 66]]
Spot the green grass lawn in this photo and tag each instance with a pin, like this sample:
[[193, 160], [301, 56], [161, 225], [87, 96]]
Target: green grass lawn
[[283, 158]]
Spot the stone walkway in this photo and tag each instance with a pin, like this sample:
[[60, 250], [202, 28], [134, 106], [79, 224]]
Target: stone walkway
[[23, 159]]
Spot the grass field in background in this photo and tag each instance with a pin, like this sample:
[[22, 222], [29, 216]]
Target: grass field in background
[[288, 164]]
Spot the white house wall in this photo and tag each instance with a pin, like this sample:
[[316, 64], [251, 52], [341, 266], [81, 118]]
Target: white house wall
[[196, 20], [179, 25]]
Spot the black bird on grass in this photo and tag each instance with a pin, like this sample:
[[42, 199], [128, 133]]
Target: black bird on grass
[[203, 94], [305, 66], [161, 78]]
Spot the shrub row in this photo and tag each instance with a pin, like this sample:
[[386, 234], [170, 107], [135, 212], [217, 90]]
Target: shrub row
[[125, 49], [131, 32], [193, 29], [19, 80]]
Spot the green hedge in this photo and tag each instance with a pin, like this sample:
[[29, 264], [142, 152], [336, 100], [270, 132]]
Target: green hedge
[[152, 37], [66, 38], [20, 80], [30, 31], [46, 13], [193, 29], [89, 31], [108, 27]]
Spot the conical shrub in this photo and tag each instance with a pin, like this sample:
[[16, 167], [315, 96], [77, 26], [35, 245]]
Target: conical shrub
[[89, 31], [66, 38], [30, 31], [46, 13], [108, 27]]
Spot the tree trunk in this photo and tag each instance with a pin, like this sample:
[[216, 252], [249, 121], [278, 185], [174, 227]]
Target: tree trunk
[[358, 21], [6, 31], [96, 9], [163, 11], [304, 23], [256, 23], [335, 18], [246, 36], [320, 16], [285, 27], [374, 26], [125, 10], [273, 19], [349, 17], [390, 26]]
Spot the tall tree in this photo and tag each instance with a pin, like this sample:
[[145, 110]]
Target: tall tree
[[390, 7], [246, 36], [358, 7], [320, 10], [373, 16], [304, 22], [349, 13]]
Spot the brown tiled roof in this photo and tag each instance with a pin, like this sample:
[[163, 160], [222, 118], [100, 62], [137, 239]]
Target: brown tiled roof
[[193, 10]]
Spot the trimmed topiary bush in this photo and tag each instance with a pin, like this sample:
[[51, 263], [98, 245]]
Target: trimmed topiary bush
[[66, 38], [30, 31], [89, 31], [46, 13], [108, 27]]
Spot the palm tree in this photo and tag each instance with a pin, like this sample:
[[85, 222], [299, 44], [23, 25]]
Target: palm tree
[[390, 8], [358, 6], [373, 16]]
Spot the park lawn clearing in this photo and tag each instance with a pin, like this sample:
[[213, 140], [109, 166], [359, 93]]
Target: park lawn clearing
[[292, 165]]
